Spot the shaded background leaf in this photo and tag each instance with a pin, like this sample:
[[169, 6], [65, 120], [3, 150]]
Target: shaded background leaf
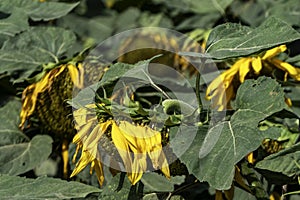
[[19, 158], [38, 10], [15, 23]]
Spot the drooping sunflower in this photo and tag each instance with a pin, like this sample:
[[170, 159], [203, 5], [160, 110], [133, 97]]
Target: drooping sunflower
[[47, 101], [134, 145], [222, 89]]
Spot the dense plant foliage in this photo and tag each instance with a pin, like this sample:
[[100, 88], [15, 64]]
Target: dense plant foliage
[[84, 118]]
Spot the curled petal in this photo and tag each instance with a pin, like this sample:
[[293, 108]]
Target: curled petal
[[84, 160], [274, 52], [293, 71]]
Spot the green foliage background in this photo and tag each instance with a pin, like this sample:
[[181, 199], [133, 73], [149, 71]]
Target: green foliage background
[[35, 36]]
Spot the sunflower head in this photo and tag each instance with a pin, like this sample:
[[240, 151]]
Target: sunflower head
[[133, 148], [222, 90], [47, 98]]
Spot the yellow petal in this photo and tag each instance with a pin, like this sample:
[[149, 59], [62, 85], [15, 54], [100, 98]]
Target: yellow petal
[[122, 146], [293, 71], [83, 132], [97, 166], [244, 69], [250, 158], [76, 75], [83, 115], [224, 80], [65, 157], [84, 160], [256, 65], [213, 86], [91, 143], [274, 52], [28, 104], [288, 101]]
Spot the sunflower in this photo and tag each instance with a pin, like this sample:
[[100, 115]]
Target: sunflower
[[222, 89], [134, 144], [31, 94], [46, 100]]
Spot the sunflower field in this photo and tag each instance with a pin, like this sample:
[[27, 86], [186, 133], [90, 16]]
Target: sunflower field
[[150, 99]]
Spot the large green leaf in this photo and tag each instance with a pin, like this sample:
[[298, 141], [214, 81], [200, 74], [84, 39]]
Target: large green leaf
[[12, 25], [9, 119], [286, 162], [21, 157], [226, 143], [234, 40], [37, 46], [19, 188], [38, 10], [17, 153]]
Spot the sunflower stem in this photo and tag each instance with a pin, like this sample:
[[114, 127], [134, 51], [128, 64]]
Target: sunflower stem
[[198, 91]]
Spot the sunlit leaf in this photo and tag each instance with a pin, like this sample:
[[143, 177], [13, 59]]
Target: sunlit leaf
[[234, 40], [38, 10], [19, 188], [37, 46]]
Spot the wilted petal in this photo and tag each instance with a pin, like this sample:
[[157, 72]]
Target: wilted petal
[[293, 71], [122, 146], [274, 52], [84, 160], [244, 69], [76, 75]]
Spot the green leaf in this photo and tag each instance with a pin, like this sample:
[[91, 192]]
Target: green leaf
[[97, 28], [288, 11], [116, 71], [255, 12], [37, 46], [211, 154], [202, 7], [228, 142], [234, 40], [17, 153], [154, 182], [21, 157], [249, 12], [14, 24], [19, 188], [185, 142], [285, 162], [9, 119], [38, 10], [112, 192]]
